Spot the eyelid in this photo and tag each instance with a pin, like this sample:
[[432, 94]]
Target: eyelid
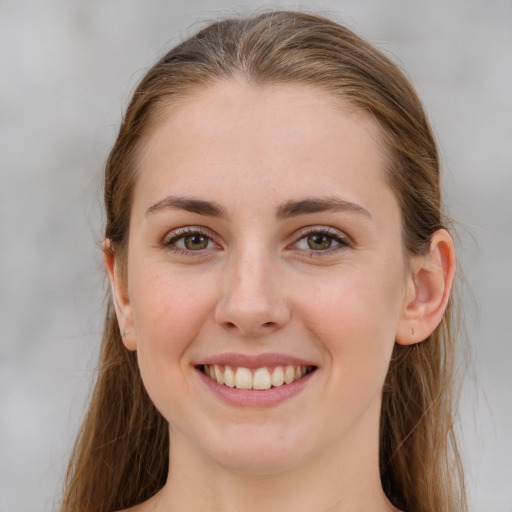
[[344, 241], [183, 232]]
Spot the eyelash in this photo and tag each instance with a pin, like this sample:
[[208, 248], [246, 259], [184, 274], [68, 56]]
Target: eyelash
[[170, 241], [342, 241]]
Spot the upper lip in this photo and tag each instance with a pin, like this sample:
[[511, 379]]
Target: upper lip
[[254, 361]]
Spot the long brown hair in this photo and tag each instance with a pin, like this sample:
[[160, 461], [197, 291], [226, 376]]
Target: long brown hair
[[121, 455]]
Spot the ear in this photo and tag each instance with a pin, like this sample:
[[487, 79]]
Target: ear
[[120, 296], [428, 290]]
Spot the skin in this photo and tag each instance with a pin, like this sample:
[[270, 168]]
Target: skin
[[257, 286]]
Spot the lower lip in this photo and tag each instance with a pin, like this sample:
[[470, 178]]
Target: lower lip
[[256, 398]]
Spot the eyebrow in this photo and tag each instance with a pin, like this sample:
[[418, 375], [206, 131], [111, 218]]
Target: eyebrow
[[285, 211], [188, 204], [315, 205]]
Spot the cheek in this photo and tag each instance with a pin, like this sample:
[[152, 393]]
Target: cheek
[[354, 317], [168, 312]]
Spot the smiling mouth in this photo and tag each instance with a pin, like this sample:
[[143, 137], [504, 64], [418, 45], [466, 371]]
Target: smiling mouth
[[258, 378]]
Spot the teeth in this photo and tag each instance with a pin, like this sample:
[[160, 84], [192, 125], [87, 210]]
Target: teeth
[[229, 377], [289, 374], [219, 376], [278, 376], [261, 378], [243, 378]]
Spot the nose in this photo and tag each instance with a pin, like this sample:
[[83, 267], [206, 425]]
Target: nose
[[252, 301]]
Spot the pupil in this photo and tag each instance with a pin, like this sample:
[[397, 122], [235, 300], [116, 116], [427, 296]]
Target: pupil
[[321, 242], [196, 242]]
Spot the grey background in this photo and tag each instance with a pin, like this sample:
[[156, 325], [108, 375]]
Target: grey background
[[66, 71]]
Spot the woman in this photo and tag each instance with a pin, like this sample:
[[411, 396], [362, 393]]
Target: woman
[[279, 334]]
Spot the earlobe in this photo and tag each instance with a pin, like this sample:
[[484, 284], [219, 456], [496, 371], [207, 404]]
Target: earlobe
[[428, 290], [120, 297]]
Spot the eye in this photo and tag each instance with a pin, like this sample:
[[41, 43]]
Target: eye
[[321, 240], [193, 242], [189, 240]]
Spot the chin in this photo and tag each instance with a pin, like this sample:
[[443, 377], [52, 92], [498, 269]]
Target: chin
[[259, 454]]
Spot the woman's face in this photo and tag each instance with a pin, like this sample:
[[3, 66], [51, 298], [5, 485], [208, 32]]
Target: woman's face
[[264, 238]]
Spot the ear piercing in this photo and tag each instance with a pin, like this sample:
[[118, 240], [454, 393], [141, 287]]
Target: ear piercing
[[124, 333], [412, 332]]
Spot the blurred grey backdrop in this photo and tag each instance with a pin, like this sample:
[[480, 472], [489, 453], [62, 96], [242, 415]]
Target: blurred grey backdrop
[[66, 71]]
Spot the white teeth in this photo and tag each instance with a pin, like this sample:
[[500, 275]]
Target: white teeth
[[243, 378], [219, 376], [289, 374], [262, 379], [229, 377], [278, 376]]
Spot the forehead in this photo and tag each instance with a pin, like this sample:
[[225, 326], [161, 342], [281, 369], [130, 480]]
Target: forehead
[[291, 107], [289, 138]]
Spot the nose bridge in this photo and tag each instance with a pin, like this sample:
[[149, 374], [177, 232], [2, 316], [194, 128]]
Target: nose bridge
[[252, 280], [252, 300]]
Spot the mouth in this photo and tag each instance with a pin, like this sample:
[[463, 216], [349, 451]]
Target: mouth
[[260, 379]]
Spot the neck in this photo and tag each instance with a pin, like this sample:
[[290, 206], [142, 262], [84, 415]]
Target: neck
[[345, 478]]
